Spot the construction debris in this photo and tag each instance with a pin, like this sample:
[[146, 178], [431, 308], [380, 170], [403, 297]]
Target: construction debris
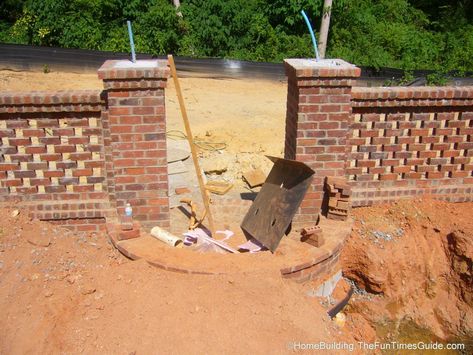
[[203, 240], [254, 178], [252, 246], [313, 236], [182, 190], [271, 213], [215, 165], [166, 237], [339, 198], [218, 187], [194, 222]]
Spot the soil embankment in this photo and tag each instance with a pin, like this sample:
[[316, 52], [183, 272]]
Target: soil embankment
[[412, 262]]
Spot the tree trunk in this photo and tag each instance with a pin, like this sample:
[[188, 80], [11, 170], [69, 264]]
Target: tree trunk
[[324, 27], [177, 3]]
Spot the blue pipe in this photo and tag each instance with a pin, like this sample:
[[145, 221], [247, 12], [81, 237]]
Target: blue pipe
[[132, 44], [312, 35]]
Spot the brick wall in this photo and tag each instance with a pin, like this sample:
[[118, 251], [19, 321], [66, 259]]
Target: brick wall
[[76, 157], [390, 143], [318, 111], [51, 157], [407, 142], [136, 130]]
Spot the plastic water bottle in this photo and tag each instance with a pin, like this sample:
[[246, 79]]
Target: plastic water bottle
[[127, 219], [128, 210]]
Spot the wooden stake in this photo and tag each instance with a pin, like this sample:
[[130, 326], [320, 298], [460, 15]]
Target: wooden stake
[[203, 191]]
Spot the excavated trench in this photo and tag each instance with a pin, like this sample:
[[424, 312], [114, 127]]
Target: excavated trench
[[412, 265]]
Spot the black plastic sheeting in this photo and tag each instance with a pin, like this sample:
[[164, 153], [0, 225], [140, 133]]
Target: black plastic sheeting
[[23, 57]]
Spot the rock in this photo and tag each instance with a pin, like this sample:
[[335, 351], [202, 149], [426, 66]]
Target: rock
[[340, 320], [48, 293], [72, 279], [15, 213], [87, 289], [38, 240], [216, 164]]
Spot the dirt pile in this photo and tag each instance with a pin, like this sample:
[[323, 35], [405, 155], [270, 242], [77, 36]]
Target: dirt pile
[[67, 293], [412, 261]]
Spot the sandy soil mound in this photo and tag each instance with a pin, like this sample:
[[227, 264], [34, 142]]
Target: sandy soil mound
[[61, 292], [413, 262]]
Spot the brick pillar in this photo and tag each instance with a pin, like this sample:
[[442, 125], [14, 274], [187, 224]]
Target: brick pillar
[[135, 138], [318, 110]]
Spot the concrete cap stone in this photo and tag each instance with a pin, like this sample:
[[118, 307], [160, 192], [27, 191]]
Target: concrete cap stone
[[325, 68], [141, 69]]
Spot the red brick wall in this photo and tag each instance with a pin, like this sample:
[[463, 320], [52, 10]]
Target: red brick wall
[[136, 129], [76, 157], [51, 156], [318, 111], [390, 143], [409, 142]]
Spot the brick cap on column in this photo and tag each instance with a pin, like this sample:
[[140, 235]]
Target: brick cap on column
[[141, 69], [325, 68]]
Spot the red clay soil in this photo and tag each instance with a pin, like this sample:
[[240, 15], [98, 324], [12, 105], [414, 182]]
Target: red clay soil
[[415, 259], [66, 293]]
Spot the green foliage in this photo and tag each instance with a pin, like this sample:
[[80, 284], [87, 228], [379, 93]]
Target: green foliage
[[386, 33], [406, 34], [437, 79], [157, 30], [407, 78]]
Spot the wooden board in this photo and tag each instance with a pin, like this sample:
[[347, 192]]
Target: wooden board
[[200, 179], [276, 204]]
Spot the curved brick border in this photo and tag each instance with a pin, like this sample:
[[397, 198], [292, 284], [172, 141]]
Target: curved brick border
[[320, 264], [316, 268]]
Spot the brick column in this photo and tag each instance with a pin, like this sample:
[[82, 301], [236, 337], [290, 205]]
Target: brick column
[[135, 138], [318, 110]]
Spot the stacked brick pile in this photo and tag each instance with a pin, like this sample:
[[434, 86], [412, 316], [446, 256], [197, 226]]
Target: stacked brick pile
[[339, 198]]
